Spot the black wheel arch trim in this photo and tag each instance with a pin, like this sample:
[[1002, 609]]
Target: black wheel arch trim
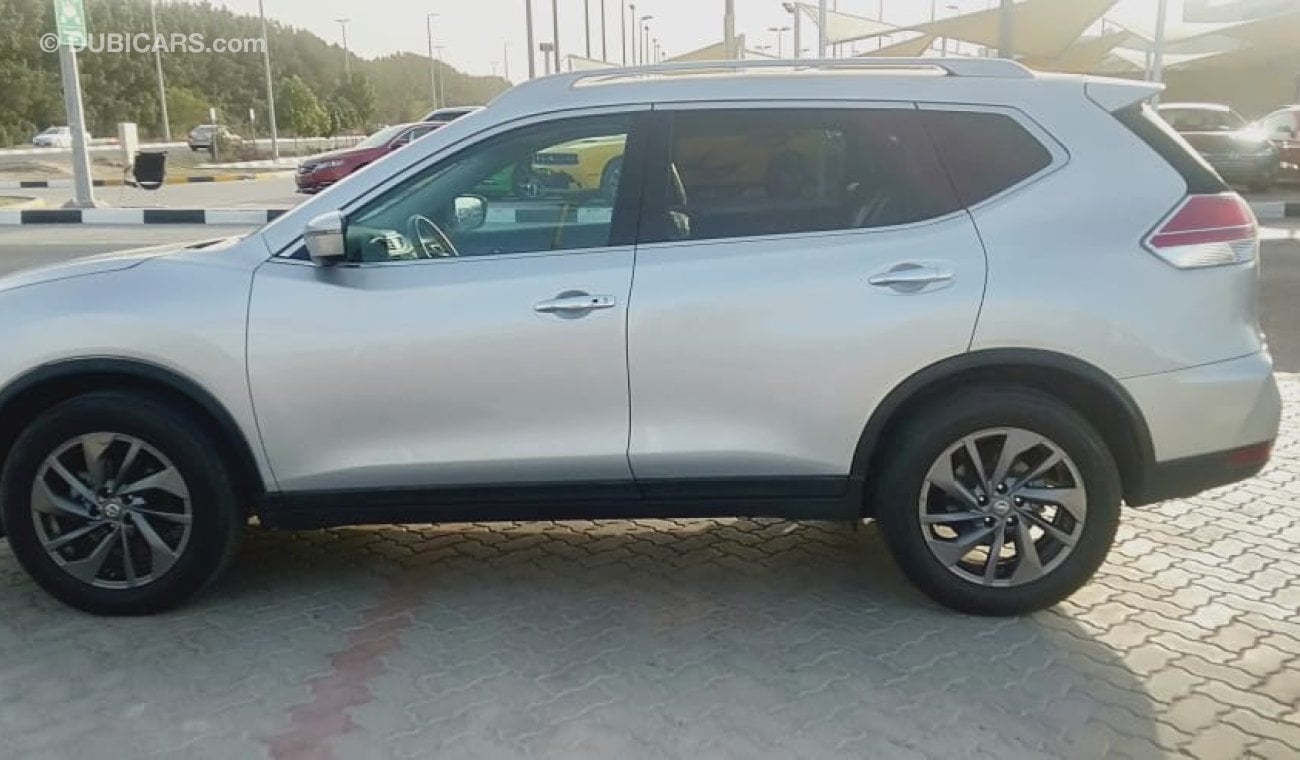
[[249, 474], [928, 378]]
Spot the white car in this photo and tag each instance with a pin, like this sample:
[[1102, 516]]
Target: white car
[[54, 137], [981, 306]]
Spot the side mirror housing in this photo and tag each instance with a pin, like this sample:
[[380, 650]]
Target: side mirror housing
[[470, 212], [324, 236]]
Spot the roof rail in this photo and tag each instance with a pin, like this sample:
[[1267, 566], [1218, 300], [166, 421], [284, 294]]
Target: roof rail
[[996, 68], [993, 68]]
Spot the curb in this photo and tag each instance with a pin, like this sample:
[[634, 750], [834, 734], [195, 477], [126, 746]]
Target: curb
[[1271, 211], [135, 216], [66, 184]]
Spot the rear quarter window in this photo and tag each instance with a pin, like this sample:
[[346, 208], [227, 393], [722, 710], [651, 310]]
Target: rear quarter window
[[985, 153]]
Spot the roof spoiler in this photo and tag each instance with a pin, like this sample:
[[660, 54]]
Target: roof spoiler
[[1116, 94]]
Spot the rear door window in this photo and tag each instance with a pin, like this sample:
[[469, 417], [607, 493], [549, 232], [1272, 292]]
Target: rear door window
[[985, 153], [755, 172]]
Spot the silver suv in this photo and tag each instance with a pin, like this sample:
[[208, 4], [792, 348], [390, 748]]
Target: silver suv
[[981, 306]]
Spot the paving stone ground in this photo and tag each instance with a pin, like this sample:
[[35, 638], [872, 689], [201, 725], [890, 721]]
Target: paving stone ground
[[680, 639]]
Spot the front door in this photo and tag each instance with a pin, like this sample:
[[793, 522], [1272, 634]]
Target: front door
[[466, 340]]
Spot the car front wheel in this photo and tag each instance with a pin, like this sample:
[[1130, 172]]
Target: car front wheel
[[999, 501], [116, 503]]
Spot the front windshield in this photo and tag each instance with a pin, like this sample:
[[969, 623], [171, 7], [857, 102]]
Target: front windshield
[[381, 137], [1202, 119]]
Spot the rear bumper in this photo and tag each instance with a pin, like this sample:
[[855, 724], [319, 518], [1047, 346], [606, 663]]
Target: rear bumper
[[1180, 478], [1210, 425]]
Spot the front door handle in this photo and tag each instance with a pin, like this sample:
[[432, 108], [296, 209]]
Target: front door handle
[[911, 277], [573, 304]]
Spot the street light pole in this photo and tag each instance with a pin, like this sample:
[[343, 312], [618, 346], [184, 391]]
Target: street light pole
[[1006, 29], [780, 32], [439, 102], [157, 63], [632, 6], [505, 60], [270, 90], [1157, 72], [555, 32], [729, 31], [793, 10], [347, 63], [83, 188], [586, 24], [645, 38], [532, 45], [433, 67], [604, 36], [822, 36]]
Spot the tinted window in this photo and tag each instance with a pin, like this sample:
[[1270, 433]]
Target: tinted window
[[985, 153], [736, 173], [542, 188]]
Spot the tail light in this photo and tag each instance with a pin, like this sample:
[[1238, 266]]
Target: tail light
[[1207, 231]]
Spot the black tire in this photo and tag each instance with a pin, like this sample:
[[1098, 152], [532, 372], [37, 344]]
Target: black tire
[[929, 433], [609, 178], [217, 520]]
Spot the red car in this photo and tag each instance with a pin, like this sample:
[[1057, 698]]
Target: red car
[[319, 172], [1283, 128]]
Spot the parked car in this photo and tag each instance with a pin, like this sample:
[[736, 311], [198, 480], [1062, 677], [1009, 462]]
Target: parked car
[[201, 137], [594, 163], [1283, 128], [452, 113], [1242, 154], [319, 172], [54, 137], [998, 306]]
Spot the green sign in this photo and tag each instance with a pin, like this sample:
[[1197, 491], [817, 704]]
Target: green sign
[[70, 20]]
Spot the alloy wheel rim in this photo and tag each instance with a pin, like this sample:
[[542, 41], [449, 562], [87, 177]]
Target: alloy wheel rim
[[1002, 507], [111, 511]]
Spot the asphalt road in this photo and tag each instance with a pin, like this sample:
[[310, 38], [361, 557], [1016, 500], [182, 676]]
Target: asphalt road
[[27, 246]]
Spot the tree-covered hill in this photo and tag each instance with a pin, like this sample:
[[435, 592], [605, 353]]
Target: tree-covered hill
[[312, 94]]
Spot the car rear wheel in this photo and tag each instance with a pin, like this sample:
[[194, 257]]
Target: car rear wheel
[[999, 501], [115, 503]]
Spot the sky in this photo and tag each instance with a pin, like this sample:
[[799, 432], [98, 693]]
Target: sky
[[478, 34]]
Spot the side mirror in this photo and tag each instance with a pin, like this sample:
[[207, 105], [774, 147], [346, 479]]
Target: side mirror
[[1286, 131], [470, 212], [325, 239]]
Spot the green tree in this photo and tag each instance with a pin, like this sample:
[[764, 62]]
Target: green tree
[[358, 94], [341, 116], [298, 109], [185, 109]]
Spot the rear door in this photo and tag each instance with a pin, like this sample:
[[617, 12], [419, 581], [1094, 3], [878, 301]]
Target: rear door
[[796, 263]]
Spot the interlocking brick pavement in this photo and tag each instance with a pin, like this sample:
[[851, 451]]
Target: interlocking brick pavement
[[680, 638]]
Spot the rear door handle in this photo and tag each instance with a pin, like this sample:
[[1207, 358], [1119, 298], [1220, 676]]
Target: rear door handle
[[573, 304], [909, 277]]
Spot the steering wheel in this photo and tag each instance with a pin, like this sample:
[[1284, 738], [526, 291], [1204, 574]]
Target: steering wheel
[[434, 245]]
